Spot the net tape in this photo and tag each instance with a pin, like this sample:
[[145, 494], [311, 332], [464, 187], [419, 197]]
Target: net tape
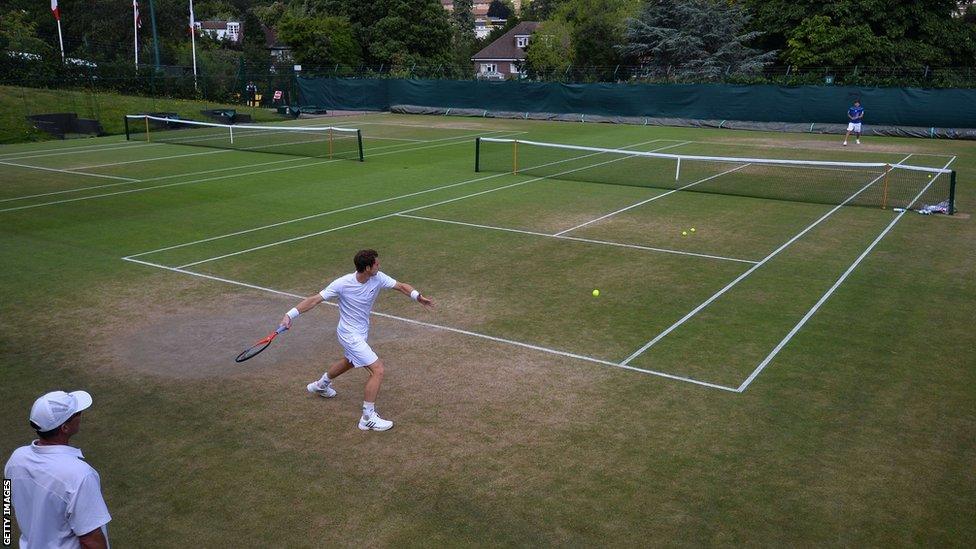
[[730, 159], [197, 123]]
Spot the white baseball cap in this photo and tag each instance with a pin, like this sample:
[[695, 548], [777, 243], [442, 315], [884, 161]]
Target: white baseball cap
[[56, 407]]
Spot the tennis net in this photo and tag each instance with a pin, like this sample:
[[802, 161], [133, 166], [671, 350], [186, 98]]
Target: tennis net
[[311, 141], [876, 184]]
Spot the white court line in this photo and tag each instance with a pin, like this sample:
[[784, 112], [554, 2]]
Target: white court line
[[641, 203], [72, 172], [330, 212], [752, 269], [247, 174], [370, 220], [450, 329], [765, 362], [39, 153], [576, 239]]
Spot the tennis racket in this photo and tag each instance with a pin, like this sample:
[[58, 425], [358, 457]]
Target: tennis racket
[[261, 345]]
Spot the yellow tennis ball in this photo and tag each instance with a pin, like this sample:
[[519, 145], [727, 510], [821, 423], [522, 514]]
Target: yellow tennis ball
[[596, 293], [684, 233], [692, 229], [930, 176]]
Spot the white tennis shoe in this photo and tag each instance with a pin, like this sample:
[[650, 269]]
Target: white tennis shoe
[[374, 423], [325, 391]]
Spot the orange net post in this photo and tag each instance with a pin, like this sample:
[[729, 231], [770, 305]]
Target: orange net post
[[884, 193], [515, 156]]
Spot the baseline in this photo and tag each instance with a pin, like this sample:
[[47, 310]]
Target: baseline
[[512, 342]]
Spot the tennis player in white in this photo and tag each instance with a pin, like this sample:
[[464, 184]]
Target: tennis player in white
[[356, 292]]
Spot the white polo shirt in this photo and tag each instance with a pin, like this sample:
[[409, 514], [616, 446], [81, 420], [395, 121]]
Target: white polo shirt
[[356, 301], [57, 496]]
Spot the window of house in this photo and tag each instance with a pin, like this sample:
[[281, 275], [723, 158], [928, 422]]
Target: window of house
[[521, 41], [513, 68], [489, 67]]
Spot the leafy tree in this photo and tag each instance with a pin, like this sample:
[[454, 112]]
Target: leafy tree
[[318, 41], [463, 19], [256, 53], [539, 10], [922, 32], [500, 9], [549, 53], [18, 33], [596, 32], [695, 38], [396, 32]]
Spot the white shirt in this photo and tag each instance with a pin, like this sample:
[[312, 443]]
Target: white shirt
[[57, 496], [356, 301]]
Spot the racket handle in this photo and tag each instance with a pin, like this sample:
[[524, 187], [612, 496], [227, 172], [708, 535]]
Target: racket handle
[[281, 328]]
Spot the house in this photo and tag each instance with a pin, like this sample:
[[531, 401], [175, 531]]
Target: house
[[220, 30], [503, 58], [280, 52]]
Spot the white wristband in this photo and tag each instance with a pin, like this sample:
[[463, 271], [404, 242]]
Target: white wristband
[[414, 295], [293, 313]]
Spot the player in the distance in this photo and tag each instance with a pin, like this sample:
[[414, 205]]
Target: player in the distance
[[855, 115], [356, 292]]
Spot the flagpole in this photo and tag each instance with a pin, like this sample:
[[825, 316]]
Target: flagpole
[[193, 41], [135, 31], [60, 40], [56, 12]]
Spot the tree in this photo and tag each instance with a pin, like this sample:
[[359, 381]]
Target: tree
[[256, 53], [922, 32], [318, 41], [19, 34], [396, 32], [539, 10], [549, 53], [463, 20], [694, 39], [596, 33], [500, 9]]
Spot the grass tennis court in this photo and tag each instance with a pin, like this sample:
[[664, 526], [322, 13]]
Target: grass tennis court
[[791, 372]]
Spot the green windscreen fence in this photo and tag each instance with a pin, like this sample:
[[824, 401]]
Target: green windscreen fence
[[945, 108]]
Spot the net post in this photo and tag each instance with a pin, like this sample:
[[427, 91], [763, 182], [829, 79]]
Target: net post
[[884, 193], [146, 118], [477, 154], [330, 143], [231, 130], [515, 156], [359, 140], [125, 122], [952, 192], [677, 170]]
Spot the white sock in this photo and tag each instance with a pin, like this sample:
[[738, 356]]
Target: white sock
[[325, 379], [369, 408]]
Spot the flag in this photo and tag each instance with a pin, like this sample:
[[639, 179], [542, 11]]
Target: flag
[[54, 10], [135, 14]]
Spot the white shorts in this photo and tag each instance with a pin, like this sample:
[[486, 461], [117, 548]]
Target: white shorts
[[357, 350], [854, 127]]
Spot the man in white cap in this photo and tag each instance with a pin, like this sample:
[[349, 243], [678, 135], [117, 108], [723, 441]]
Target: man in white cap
[[57, 497]]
